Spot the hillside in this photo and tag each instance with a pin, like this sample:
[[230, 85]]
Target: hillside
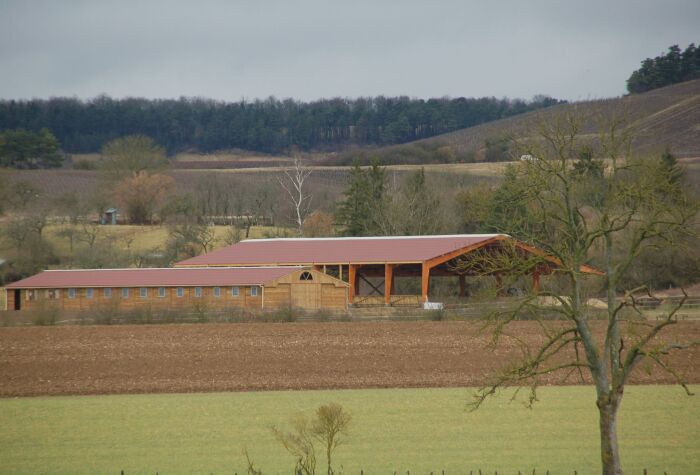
[[668, 116]]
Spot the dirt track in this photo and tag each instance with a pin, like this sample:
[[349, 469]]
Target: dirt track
[[241, 357]]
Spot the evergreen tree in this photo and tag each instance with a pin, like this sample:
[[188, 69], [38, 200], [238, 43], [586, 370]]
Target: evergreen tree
[[23, 149], [670, 167], [364, 197], [673, 67]]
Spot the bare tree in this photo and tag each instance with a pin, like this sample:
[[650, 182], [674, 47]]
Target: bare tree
[[331, 423], [293, 182], [189, 240], [327, 428], [606, 218], [88, 233], [299, 443]]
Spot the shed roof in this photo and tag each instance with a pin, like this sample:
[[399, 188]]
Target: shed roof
[[364, 250], [150, 277]]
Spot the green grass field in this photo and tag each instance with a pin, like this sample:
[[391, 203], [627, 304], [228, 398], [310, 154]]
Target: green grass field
[[420, 430]]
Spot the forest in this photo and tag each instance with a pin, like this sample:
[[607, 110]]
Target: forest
[[270, 126], [671, 68]]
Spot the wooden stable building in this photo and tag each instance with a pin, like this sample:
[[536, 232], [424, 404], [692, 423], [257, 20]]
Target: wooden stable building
[[174, 288], [356, 260]]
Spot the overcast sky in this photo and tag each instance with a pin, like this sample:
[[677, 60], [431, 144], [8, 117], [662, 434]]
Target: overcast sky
[[232, 50]]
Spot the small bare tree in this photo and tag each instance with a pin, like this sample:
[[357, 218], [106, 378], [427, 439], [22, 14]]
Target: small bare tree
[[330, 425], [88, 232], [327, 428], [293, 181], [299, 443]]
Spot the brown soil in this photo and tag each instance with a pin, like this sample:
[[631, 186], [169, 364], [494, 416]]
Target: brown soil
[[243, 357]]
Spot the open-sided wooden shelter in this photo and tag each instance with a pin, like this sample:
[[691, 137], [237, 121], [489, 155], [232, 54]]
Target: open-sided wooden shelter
[[172, 288], [358, 258]]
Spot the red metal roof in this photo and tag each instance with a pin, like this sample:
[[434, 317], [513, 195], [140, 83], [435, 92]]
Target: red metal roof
[[337, 250], [186, 277]]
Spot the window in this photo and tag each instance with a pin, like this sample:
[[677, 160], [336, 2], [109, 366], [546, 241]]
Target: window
[[71, 293], [180, 292], [217, 291], [197, 291], [161, 292], [306, 276], [53, 294], [107, 292], [31, 294], [235, 291], [88, 293], [253, 291], [143, 292], [125, 293]]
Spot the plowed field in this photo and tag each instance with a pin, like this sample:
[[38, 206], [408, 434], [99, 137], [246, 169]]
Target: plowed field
[[243, 357]]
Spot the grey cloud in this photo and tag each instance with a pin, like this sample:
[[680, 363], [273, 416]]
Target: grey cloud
[[310, 49]]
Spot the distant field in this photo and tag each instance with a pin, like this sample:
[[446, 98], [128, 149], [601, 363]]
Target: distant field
[[394, 430], [144, 238], [325, 183]]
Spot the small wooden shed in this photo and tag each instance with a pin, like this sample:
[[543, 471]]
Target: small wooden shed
[[216, 288]]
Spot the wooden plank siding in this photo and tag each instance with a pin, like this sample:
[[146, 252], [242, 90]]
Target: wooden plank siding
[[297, 289], [38, 298]]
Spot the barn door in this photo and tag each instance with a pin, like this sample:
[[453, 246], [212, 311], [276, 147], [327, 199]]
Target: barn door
[[306, 295]]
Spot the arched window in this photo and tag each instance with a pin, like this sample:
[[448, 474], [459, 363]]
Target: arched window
[[306, 276]]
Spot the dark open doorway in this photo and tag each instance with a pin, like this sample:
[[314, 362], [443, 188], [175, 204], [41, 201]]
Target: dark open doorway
[[18, 299]]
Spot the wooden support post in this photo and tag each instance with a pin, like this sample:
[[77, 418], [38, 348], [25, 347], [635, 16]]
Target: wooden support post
[[536, 282], [324, 269], [388, 282], [425, 282], [352, 280], [462, 285], [340, 271]]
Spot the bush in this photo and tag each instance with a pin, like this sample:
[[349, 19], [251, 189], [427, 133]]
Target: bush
[[83, 164], [286, 314], [437, 315], [46, 316]]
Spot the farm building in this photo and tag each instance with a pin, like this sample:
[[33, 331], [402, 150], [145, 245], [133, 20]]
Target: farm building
[[172, 288], [356, 260]]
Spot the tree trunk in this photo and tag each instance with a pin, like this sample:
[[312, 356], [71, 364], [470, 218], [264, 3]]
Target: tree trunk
[[609, 452]]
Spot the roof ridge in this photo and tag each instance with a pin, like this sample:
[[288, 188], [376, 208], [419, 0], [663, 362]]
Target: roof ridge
[[352, 238], [174, 268]]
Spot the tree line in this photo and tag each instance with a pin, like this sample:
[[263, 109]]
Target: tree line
[[270, 126], [671, 68]]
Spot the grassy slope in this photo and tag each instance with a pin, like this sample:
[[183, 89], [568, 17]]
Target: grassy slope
[[666, 116], [417, 429]]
